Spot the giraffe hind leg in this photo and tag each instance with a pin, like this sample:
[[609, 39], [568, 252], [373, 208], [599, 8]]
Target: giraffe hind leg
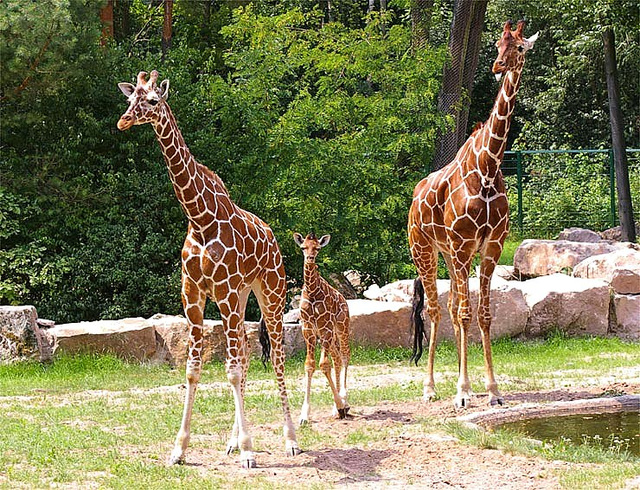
[[271, 295]]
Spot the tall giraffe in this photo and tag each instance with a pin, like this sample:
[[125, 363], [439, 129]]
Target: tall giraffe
[[325, 319], [228, 252], [462, 210]]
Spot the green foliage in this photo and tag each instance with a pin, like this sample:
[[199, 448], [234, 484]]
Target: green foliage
[[313, 125]]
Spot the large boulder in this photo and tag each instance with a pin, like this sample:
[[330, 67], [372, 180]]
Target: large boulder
[[387, 322], [534, 258], [398, 291], [626, 320], [380, 323], [20, 335], [575, 306], [579, 235], [509, 311], [129, 338], [172, 334], [608, 265]]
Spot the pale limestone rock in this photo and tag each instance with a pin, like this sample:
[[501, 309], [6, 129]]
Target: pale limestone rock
[[626, 282], [21, 337], [605, 266], [379, 323], [535, 258], [627, 316], [129, 338], [579, 235], [575, 306], [173, 339]]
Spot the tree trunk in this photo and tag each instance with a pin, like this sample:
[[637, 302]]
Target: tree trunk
[[122, 19], [106, 16], [625, 208], [166, 27], [464, 45], [421, 11]]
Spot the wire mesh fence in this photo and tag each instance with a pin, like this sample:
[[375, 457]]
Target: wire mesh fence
[[550, 190]]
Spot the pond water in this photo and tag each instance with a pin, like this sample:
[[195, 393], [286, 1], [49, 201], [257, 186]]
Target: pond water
[[619, 430]]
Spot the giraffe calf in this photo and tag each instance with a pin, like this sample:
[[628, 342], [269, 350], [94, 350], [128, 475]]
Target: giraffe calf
[[325, 321]]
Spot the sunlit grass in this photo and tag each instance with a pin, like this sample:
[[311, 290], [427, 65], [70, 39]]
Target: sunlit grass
[[98, 421]]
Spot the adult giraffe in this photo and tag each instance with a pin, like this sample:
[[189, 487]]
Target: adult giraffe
[[228, 252], [462, 210]]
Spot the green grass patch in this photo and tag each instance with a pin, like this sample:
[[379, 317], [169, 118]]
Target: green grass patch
[[95, 421]]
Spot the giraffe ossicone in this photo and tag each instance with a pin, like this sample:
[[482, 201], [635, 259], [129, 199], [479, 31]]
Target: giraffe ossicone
[[462, 210], [324, 315], [228, 253]]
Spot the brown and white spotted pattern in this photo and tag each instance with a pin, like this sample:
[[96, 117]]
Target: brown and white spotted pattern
[[228, 252], [325, 321], [462, 210]]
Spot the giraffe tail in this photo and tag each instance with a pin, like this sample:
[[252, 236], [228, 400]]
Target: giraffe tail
[[264, 342], [417, 323]]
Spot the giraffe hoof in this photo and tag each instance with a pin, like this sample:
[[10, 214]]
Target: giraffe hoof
[[231, 449], [294, 451], [493, 401], [342, 414], [248, 464], [175, 459], [462, 402], [303, 422]]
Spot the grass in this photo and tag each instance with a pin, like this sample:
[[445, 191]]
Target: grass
[[96, 421]]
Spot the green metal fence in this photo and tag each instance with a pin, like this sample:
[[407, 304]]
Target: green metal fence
[[550, 190]]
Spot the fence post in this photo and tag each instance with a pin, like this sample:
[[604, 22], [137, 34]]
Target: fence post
[[519, 171], [612, 189]]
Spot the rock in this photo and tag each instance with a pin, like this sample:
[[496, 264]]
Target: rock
[[373, 292], [535, 258], [579, 235], [342, 284], [509, 311], [129, 338], [575, 306], [615, 234], [21, 337], [398, 291], [626, 322], [606, 265], [626, 282], [380, 323], [292, 316], [172, 334], [505, 272]]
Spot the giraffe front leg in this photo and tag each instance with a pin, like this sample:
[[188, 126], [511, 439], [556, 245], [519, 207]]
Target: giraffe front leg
[[309, 368], [462, 316], [326, 368], [484, 322], [193, 307]]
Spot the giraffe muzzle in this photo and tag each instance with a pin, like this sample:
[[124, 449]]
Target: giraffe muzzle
[[125, 122]]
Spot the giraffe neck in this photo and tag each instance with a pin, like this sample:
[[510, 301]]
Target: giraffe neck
[[311, 277], [201, 193], [492, 138]]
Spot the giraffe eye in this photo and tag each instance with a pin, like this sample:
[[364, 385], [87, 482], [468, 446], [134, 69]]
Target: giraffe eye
[[521, 48], [153, 102]]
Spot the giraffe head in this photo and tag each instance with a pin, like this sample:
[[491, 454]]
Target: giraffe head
[[311, 245], [145, 100], [511, 49]]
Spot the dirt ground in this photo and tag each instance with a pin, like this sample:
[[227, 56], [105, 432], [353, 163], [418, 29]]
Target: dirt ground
[[409, 456]]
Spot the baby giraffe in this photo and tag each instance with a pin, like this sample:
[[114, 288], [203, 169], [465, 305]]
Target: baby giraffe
[[325, 320]]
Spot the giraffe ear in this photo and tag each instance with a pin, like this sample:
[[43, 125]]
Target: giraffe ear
[[529, 42], [164, 89], [324, 240], [299, 239], [126, 88]]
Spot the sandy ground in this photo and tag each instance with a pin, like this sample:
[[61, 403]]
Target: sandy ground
[[410, 456]]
